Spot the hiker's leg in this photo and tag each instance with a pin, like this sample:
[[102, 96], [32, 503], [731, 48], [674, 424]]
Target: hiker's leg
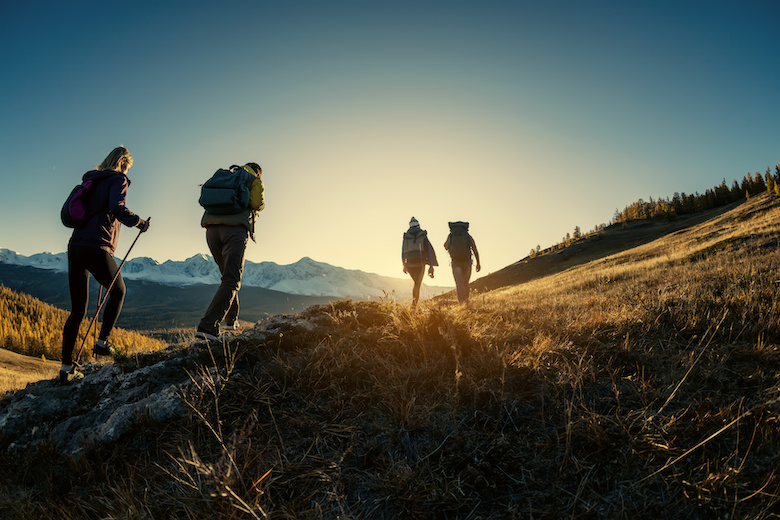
[[461, 280], [232, 314], [233, 240], [466, 280], [78, 280], [417, 274], [457, 274], [214, 240], [103, 267]]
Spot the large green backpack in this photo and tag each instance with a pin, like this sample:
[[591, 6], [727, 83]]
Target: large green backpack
[[460, 246], [227, 191]]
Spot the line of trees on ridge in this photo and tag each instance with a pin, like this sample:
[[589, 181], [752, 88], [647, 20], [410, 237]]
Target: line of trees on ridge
[[681, 204]]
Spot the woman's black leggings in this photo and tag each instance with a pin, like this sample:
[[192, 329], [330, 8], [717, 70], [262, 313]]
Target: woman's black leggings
[[82, 261], [417, 273]]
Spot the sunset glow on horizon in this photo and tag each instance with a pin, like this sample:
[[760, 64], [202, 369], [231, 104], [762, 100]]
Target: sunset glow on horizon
[[524, 118]]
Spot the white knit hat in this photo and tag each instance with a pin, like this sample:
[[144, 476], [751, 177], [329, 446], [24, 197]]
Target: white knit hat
[[414, 223]]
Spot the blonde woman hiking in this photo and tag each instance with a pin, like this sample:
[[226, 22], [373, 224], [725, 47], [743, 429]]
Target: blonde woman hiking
[[91, 251]]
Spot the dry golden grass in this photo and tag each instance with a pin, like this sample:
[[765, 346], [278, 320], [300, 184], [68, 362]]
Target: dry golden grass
[[16, 371], [12, 379], [641, 386]]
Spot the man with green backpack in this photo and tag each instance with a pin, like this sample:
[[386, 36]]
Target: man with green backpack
[[460, 245], [231, 200]]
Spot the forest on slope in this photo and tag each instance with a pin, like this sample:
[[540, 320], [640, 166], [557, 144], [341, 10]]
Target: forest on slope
[[31, 327]]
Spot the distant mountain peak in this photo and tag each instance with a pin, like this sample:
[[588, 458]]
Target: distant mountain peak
[[306, 277], [200, 257]]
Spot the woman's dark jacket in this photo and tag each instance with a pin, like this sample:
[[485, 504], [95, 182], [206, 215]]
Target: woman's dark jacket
[[108, 205]]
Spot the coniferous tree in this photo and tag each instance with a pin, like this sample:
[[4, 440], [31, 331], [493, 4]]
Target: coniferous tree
[[677, 203], [722, 194], [758, 183], [709, 199], [747, 184], [736, 191]]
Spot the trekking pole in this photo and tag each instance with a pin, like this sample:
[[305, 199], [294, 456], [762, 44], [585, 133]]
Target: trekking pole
[[108, 290], [99, 305]]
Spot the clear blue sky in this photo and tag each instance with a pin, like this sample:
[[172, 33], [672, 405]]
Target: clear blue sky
[[524, 118]]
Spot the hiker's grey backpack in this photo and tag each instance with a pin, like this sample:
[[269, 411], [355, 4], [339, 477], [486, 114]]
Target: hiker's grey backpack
[[227, 191], [414, 251]]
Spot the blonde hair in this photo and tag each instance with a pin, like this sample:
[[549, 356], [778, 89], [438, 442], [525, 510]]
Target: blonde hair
[[118, 160]]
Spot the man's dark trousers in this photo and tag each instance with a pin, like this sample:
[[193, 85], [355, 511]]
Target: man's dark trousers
[[228, 246]]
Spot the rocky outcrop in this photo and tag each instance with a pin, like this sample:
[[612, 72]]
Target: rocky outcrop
[[99, 408], [111, 400]]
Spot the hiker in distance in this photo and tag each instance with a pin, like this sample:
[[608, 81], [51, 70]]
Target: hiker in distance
[[91, 250], [460, 245], [416, 253], [231, 200]]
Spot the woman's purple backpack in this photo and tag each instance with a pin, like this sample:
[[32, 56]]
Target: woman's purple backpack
[[75, 212]]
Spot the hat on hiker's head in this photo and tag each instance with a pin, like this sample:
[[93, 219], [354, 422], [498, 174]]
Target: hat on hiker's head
[[414, 223], [255, 167]]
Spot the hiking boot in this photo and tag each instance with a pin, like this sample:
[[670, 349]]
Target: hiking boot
[[207, 334], [104, 347], [232, 326], [70, 375]]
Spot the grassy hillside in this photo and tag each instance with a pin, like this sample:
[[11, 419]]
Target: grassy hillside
[[641, 385], [611, 240], [17, 370]]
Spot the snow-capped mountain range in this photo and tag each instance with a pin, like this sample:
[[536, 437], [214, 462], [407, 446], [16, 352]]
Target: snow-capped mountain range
[[304, 277]]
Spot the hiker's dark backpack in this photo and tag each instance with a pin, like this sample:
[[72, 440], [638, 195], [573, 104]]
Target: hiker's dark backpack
[[77, 209], [227, 191], [413, 251], [460, 246]]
